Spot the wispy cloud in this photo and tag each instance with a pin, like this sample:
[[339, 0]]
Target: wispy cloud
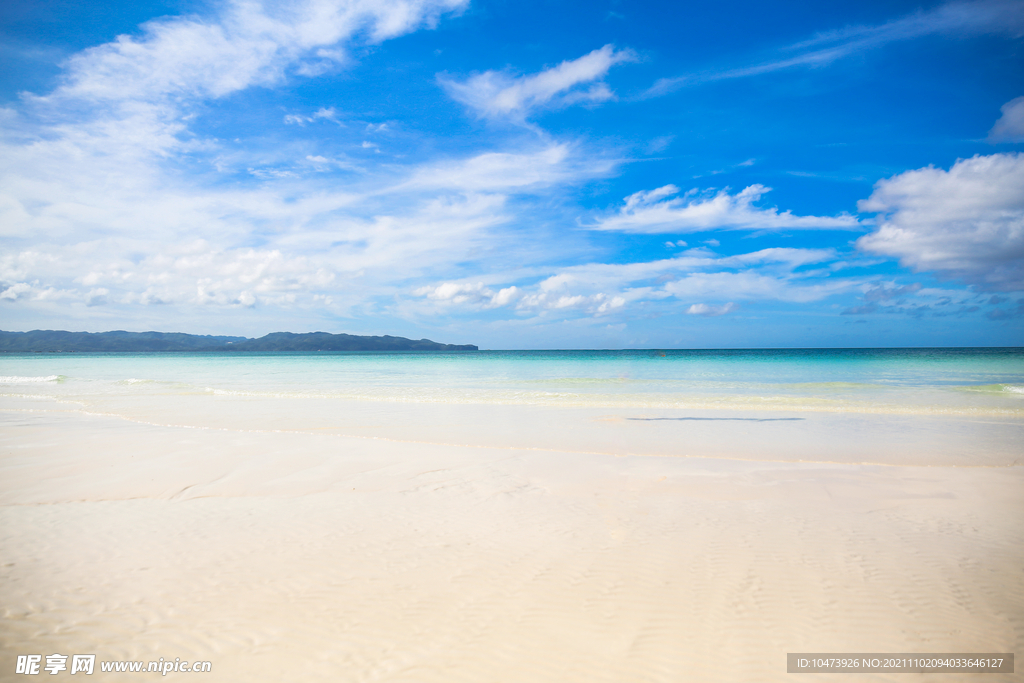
[[497, 94], [326, 113], [245, 44], [660, 211], [958, 18], [507, 171], [132, 101]]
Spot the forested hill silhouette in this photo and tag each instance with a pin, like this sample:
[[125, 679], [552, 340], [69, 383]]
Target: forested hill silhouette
[[58, 341]]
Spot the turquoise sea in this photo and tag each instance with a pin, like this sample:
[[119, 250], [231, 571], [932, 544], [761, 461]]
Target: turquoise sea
[[974, 381]]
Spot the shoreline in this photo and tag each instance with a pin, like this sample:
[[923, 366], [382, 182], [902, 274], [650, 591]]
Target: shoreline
[[755, 435]]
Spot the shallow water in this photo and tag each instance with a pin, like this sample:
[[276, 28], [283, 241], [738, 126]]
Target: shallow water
[[977, 382]]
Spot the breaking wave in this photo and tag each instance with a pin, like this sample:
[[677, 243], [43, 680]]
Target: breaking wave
[[14, 379]]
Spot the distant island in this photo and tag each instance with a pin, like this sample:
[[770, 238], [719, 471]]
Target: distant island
[[59, 341]]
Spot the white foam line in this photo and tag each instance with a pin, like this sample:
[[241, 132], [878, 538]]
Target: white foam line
[[15, 379]]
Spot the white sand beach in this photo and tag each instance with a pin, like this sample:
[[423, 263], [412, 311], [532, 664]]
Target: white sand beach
[[521, 548], [491, 341]]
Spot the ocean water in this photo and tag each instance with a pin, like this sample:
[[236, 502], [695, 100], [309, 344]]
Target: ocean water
[[967, 382]]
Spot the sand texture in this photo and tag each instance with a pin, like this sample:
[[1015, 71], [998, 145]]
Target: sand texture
[[534, 550]]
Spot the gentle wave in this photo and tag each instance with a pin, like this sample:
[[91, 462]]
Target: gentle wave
[[1004, 389], [13, 379]]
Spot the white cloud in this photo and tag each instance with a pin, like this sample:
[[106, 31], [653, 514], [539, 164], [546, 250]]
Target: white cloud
[[472, 294], [598, 304], [656, 211], [326, 113], [966, 223], [16, 290], [495, 94], [346, 259], [786, 257], [109, 200], [1010, 126], [711, 311], [90, 205], [95, 211], [247, 44], [193, 274], [504, 171], [704, 284], [954, 18], [122, 108], [97, 297]]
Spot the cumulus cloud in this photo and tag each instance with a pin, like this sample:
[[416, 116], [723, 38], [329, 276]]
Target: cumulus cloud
[[550, 295], [336, 261], [592, 304], [965, 223], [702, 283], [15, 291], [496, 94], [1010, 126], [660, 211], [193, 274], [474, 294]]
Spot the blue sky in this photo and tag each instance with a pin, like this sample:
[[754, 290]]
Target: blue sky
[[517, 174]]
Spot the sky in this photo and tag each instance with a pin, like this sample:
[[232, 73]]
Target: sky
[[517, 175]]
